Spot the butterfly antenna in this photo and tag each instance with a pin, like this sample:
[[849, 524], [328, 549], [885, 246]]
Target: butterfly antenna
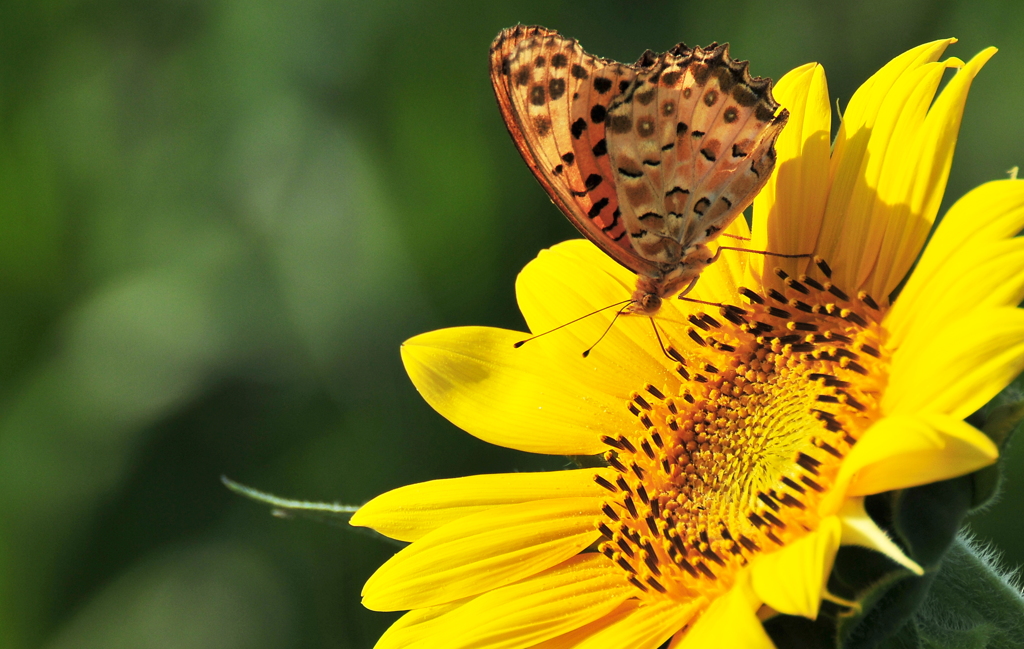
[[582, 317], [587, 351], [736, 236]]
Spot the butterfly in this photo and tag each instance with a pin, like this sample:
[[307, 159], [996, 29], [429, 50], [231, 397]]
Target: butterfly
[[650, 161]]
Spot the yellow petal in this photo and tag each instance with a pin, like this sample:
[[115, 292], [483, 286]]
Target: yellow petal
[[633, 625], [866, 102], [984, 216], [483, 551], [553, 603], [622, 614], [731, 270], [859, 529], [893, 154], [409, 512], [841, 226], [933, 147], [902, 451], [960, 366], [571, 280], [873, 147], [415, 626], [981, 274], [792, 578], [730, 621], [788, 211], [510, 397]]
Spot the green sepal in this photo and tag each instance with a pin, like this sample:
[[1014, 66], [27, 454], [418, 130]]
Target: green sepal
[[1000, 418]]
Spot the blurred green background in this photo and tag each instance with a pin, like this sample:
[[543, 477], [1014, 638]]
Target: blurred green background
[[218, 221]]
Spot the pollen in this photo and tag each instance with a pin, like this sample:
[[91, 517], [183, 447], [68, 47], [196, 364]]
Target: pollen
[[733, 460]]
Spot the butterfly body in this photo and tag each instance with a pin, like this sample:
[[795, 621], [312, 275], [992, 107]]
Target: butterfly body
[[650, 161]]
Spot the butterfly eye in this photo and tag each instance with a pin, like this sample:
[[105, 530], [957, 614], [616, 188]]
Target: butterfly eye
[[650, 302]]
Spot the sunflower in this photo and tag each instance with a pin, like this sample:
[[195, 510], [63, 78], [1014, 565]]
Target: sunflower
[[737, 437]]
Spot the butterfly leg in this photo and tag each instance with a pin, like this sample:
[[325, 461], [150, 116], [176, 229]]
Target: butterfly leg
[[693, 282], [761, 252]]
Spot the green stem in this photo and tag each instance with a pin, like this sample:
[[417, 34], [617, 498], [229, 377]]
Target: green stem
[[971, 604]]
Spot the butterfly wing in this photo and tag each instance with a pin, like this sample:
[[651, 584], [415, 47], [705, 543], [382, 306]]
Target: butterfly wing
[[554, 98], [692, 142]]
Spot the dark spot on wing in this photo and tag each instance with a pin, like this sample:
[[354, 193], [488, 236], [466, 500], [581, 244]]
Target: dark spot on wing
[[711, 230], [523, 76], [620, 124], [596, 208], [701, 205], [645, 97], [623, 85], [556, 88], [681, 128], [710, 97], [506, 66], [764, 112], [729, 115], [592, 181], [615, 221], [697, 133], [568, 158], [597, 113], [543, 125], [650, 215], [700, 73], [600, 148], [540, 62], [578, 127], [707, 153], [630, 174], [676, 190], [538, 96], [744, 96], [558, 61], [670, 78], [579, 71], [687, 92], [737, 152], [727, 202], [652, 163], [645, 127], [602, 84], [668, 108], [557, 170], [668, 146]]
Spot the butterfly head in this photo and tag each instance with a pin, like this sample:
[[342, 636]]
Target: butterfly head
[[675, 278]]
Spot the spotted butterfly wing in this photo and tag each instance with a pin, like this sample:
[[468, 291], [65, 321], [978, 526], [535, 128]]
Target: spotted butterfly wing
[[691, 143], [553, 96], [650, 161]]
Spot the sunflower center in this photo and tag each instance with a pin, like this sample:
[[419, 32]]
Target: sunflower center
[[734, 461]]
